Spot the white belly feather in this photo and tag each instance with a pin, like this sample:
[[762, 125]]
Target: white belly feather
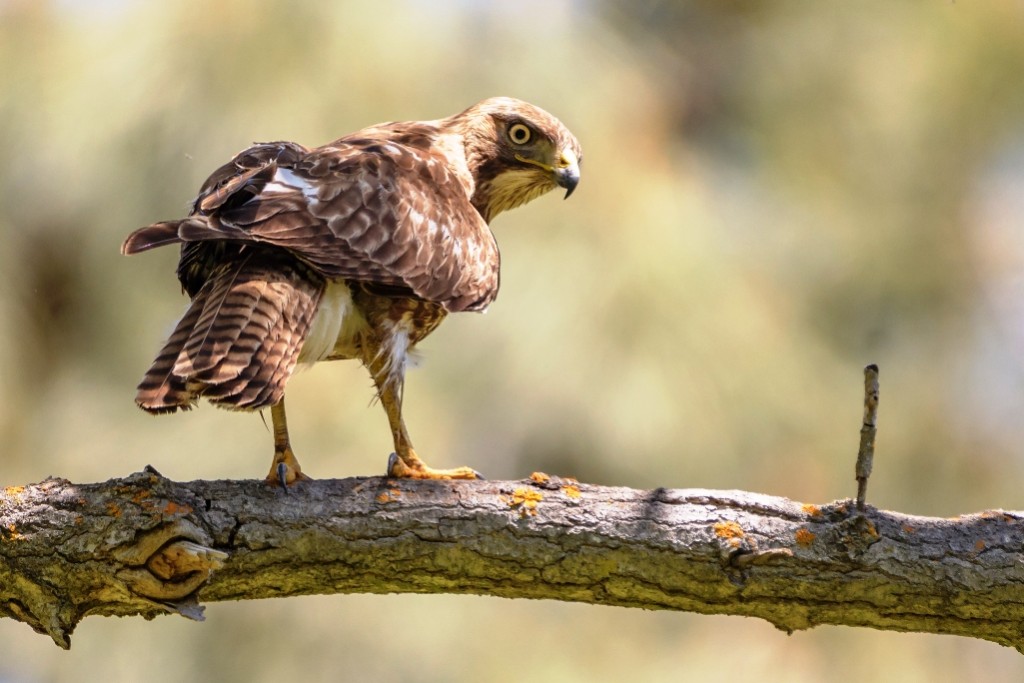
[[337, 323], [338, 326]]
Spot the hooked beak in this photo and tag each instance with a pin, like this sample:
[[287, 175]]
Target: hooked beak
[[567, 171]]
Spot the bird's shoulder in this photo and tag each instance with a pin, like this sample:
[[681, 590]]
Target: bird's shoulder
[[411, 154], [399, 158], [389, 204]]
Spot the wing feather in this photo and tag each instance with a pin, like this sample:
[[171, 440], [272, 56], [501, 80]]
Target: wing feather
[[363, 208]]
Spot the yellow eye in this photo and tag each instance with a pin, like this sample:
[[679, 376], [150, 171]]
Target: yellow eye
[[519, 133]]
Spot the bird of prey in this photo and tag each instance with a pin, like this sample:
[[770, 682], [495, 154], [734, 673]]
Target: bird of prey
[[356, 249]]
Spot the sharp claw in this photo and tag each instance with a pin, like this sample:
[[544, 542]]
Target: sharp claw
[[392, 462], [282, 476], [479, 476]]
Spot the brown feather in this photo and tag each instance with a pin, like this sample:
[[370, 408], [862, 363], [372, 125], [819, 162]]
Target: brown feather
[[227, 307], [396, 213], [150, 237], [239, 341], [263, 359], [161, 391]]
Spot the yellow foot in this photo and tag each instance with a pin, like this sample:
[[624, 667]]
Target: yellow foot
[[399, 468], [285, 470]]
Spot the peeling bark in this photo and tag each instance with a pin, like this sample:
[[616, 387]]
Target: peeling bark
[[145, 545]]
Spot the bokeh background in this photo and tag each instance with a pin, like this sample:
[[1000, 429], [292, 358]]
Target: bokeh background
[[773, 196]]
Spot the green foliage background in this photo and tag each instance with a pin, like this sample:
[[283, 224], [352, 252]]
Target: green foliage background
[[773, 196]]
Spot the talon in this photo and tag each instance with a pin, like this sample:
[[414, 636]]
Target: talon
[[393, 465], [284, 470], [282, 475]]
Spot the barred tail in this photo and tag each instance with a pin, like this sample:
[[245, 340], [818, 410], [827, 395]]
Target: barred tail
[[239, 341]]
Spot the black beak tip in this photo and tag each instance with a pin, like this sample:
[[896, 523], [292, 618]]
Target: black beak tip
[[569, 181]]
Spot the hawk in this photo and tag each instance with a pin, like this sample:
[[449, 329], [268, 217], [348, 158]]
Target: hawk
[[354, 250]]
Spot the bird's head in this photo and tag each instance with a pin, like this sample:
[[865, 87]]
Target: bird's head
[[516, 152]]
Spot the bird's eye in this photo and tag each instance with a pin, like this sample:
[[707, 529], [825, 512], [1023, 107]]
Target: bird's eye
[[519, 133]]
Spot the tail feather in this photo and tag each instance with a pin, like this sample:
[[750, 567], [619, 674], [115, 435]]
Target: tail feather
[[229, 394], [261, 381], [288, 347], [246, 370], [239, 341], [227, 309], [161, 391]]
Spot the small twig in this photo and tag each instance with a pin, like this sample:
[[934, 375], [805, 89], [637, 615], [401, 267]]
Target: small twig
[[866, 453]]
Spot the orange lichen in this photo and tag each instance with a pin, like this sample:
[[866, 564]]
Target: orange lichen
[[812, 510], [113, 510], [140, 496], [728, 530], [389, 496], [14, 491], [804, 537], [979, 545], [571, 491], [526, 500], [540, 477], [908, 528], [172, 508], [526, 497], [12, 532]]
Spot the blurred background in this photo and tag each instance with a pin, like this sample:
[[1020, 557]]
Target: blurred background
[[773, 196]]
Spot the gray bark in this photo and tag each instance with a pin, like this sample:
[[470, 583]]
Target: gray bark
[[145, 545]]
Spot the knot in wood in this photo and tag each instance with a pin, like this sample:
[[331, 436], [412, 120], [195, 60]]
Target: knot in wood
[[854, 535], [170, 562]]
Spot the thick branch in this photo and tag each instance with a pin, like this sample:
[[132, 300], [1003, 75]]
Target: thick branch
[[146, 545]]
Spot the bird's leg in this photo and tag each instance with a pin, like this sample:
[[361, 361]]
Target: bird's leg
[[404, 462], [284, 470]]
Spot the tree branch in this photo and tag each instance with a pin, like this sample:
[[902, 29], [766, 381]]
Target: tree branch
[[146, 545]]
